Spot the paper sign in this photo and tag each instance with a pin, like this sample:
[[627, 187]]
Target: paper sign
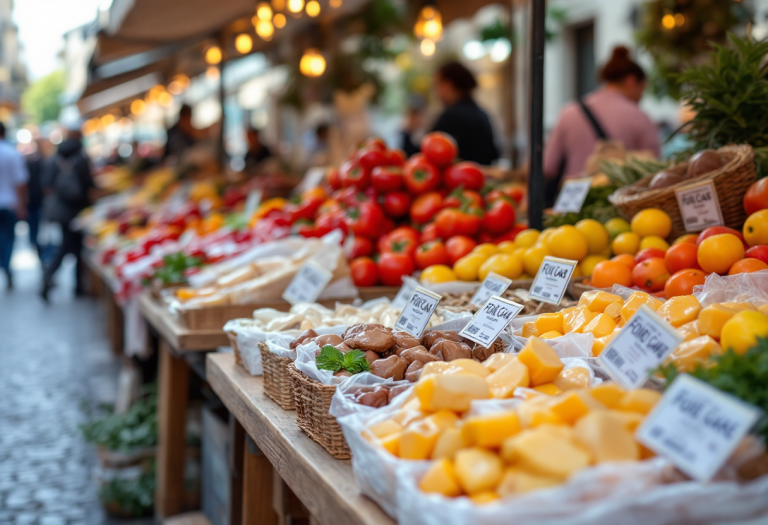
[[312, 179], [699, 206], [493, 284], [308, 283], [486, 325], [417, 312], [405, 293], [639, 348], [696, 426], [253, 201], [572, 195], [552, 280]]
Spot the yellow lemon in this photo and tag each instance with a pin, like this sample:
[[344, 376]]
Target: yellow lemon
[[504, 264], [544, 235], [587, 265], [654, 241], [607, 252], [626, 242], [520, 252], [507, 246], [533, 258], [486, 249], [756, 228], [438, 273], [596, 234], [577, 272], [741, 331], [468, 266], [568, 243], [616, 226], [526, 238], [652, 222]]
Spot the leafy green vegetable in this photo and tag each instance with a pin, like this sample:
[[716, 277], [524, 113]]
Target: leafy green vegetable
[[744, 376], [632, 170], [332, 359], [172, 270], [354, 362], [134, 429], [133, 496]]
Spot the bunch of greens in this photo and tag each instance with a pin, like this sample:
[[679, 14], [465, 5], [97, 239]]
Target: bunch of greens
[[729, 99], [596, 206], [631, 171], [134, 429], [134, 497], [172, 270], [744, 376], [332, 359]]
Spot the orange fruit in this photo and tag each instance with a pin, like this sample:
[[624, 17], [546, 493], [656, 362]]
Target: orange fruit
[[626, 258], [608, 273], [756, 228], [626, 242], [688, 237], [747, 265], [651, 274], [682, 282], [716, 254], [652, 221], [681, 256]]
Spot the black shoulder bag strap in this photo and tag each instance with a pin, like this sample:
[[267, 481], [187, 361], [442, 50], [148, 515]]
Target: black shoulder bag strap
[[599, 131]]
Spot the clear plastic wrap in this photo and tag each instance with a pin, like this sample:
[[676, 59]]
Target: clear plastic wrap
[[744, 287]]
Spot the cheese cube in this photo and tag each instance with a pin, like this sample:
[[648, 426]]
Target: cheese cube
[[606, 437], [608, 393], [483, 498], [448, 443], [385, 428], [510, 376], [548, 322], [490, 430], [436, 367], [443, 419], [518, 481], [613, 310], [552, 334], [572, 378], [391, 443], [712, 318], [601, 326], [763, 309], [630, 420], [418, 439], [634, 302], [597, 300], [641, 400], [542, 361], [530, 329], [441, 479], [498, 360], [738, 306], [575, 321], [573, 405], [478, 470], [690, 354], [453, 391], [599, 344], [470, 366], [691, 330], [545, 453], [550, 389], [534, 413], [680, 310]]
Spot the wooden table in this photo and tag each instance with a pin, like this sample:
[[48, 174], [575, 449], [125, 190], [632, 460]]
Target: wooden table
[[177, 347], [326, 486], [104, 285]]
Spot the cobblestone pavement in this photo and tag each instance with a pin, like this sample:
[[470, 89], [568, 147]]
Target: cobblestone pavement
[[54, 360]]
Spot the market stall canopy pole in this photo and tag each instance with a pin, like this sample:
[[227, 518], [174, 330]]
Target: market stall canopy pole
[[536, 174]]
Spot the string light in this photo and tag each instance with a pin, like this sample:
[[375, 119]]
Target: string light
[[668, 21], [295, 6], [263, 11], [427, 47], [213, 55], [679, 19], [165, 99], [312, 63], [138, 107], [335, 3], [313, 8], [279, 20], [178, 84], [107, 120], [278, 5], [243, 44], [212, 72], [265, 29]]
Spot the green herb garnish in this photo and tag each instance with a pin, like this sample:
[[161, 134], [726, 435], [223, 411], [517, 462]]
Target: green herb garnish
[[332, 359], [354, 362]]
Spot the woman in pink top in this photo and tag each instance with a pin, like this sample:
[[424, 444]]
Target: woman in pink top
[[616, 115]]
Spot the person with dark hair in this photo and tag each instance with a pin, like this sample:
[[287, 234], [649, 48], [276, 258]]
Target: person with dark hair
[[609, 113], [35, 165], [462, 118], [182, 135], [13, 194], [257, 151]]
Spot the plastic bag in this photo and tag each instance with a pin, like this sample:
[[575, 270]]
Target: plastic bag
[[744, 287]]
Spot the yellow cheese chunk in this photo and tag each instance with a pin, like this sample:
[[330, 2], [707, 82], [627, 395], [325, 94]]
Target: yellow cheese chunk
[[548, 322], [680, 310], [738, 306], [691, 330], [613, 310], [550, 389], [575, 321], [536, 412], [441, 479], [542, 361], [572, 378], [712, 318], [597, 300], [599, 344], [641, 400], [634, 302], [405, 416], [498, 360], [545, 453], [573, 405], [609, 394], [518, 481], [630, 420], [490, 430], [606, 437], [690, 354], [529, 329], [553, 334], [391, 443], [484, 498], [436, 367], [448, 443], [763, 309], [386, 428], [510, 376], [478, 470], [453, 392], [418, 439], [470, 366], [443, 419], [601, 326]]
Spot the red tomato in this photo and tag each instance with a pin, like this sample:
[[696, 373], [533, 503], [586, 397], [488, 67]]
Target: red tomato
[[439, 148], [354, 175], [387, 226], [756, 197], [334, 178], [370, 158], [511, 234], [466, 174], [327, 222], [365, 219], [485, 237], [494, 195], [425, 207], [364, 271], [648, 253], [394, 266], [357, 246], [429, 253], [458, 247], [350, 197], [395, 157], [458, 198], [499, 217], [716, 230], [429, 233], [681, 256], [387, 178], [421, 177], [758, 252], [651, 274], [329, 205], [453, 221], [375, 143], [400, 240], [397, 204]]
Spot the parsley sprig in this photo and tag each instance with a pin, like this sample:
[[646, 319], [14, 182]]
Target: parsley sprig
[[333, 359]]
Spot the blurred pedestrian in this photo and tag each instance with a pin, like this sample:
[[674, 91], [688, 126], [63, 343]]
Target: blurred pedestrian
[[13, 206], [68, 186], [257, 150], [611, 113], [35, 165], [321, 150], [461, 118], [182, 135]]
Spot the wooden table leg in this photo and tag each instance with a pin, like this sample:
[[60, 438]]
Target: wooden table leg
[[115, 324], [171, 427], [236, 452], [257, 487]]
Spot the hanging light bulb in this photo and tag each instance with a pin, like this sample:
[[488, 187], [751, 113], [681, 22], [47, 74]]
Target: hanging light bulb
[[312, 63], [295, 6], [213, 55], [212, 72], [243, 44], [178, 84], [279, 20], [429, 24], [263, 11], [313, 8], [138, 107], [107, 120], [278, 5], [265, 29], [335, 3], [427, 47], [165, 99], [668, 21]]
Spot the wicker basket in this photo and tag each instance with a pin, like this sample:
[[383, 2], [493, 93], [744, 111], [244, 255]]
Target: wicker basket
[[731, 182], [313, 401], [233, 343], [277, 382]]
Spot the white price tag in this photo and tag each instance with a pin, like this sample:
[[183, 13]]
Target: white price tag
[[493, 284], [699, 206], [417, 312], [572, 195], [644, 343], [308, 283], [253, 201], [312, 179], [696, 426], [552, 280], [486, 325], [404, 295]]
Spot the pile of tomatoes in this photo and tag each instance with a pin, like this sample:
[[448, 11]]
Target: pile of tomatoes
[[401, 214]]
